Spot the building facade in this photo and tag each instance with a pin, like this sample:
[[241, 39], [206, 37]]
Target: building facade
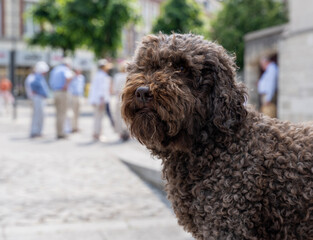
[[259, 44], [210, 7], [293, 44], [15, 27], [149, 10], [296, 64]]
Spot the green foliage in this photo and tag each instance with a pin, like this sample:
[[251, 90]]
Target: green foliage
[[98, 24], [239, 17], [95, 24], [180, 16], [53, 32]]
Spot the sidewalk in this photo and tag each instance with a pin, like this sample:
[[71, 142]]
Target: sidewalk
[[75, 188], [139, 160]]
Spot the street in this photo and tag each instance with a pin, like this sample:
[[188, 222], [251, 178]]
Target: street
[[74, 188]]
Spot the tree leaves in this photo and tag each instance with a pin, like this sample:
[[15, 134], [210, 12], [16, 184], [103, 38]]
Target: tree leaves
[[69, 24], [180, 16], [238, 17]]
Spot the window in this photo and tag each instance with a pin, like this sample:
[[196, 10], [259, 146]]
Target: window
[[30, 27], [1, 19]]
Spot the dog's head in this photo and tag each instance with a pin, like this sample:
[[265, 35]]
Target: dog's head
[[179, 85]]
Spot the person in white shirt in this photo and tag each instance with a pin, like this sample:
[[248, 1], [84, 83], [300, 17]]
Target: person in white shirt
[[40, 90], [76, 92], [60, 77], [99, 94], [118, 85], [267, 87], [29, 79]]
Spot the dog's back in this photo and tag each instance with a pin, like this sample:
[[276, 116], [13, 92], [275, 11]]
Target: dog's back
[[232, 173], [260, 187]]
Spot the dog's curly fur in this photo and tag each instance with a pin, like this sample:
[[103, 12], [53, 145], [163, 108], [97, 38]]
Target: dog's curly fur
[[231, 172]]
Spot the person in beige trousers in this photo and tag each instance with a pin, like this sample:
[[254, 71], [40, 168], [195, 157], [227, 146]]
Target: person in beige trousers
[[76, 92], [118, 85], [60, 78], [99, 95]]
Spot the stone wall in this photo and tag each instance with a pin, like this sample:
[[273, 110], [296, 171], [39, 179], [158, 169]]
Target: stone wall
[[296, 78], [294, 45], [12, 20], [257, 45], [300, 15], [295, 99]]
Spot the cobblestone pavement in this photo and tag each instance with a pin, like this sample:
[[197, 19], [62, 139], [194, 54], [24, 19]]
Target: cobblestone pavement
[[74, 188]]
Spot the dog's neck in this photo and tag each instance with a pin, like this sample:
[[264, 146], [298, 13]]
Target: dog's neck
[[185, 143], [203, 138]]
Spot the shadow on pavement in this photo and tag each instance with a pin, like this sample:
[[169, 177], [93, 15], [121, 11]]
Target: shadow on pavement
[[49, 141], [20, 138], [86, 144]]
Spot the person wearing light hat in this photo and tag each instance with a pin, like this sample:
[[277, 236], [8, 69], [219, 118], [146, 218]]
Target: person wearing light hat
[[76, 92], [60, 78], [99, 95], [40, 91]]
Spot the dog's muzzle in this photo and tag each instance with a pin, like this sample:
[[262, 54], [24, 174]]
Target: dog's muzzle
[[143, 95]]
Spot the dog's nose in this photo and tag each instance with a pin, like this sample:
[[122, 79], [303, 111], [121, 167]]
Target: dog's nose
[[143, 94]]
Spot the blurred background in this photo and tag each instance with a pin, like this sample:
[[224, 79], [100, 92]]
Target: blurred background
[[77, 187]]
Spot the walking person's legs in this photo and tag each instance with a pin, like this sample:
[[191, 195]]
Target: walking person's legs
[[61, 108], [1, 104], [120, 126], [108, 110], [63, 111], [57, 104], [36, 118], [7, 101], [41, 115], [98, 115], [75, 107]]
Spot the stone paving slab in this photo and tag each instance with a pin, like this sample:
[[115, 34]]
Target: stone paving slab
[[75, 188], [142, 229]]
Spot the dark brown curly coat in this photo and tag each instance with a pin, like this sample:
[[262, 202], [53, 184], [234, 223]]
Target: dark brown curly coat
[[231, 172]]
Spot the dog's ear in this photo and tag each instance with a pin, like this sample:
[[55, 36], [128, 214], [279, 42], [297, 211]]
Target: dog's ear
[[227, 97]]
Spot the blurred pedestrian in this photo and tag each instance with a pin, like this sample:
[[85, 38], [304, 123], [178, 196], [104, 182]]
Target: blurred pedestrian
[[267, 87], [119, 83], [39, 91], [108, 110], [29, 79], [76, 92], [6, 97], [60, 78], [99, 95]]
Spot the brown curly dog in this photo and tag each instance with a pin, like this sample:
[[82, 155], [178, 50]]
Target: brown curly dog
[[231, 172]]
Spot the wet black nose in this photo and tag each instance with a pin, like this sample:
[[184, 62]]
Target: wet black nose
[[143, 94]]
